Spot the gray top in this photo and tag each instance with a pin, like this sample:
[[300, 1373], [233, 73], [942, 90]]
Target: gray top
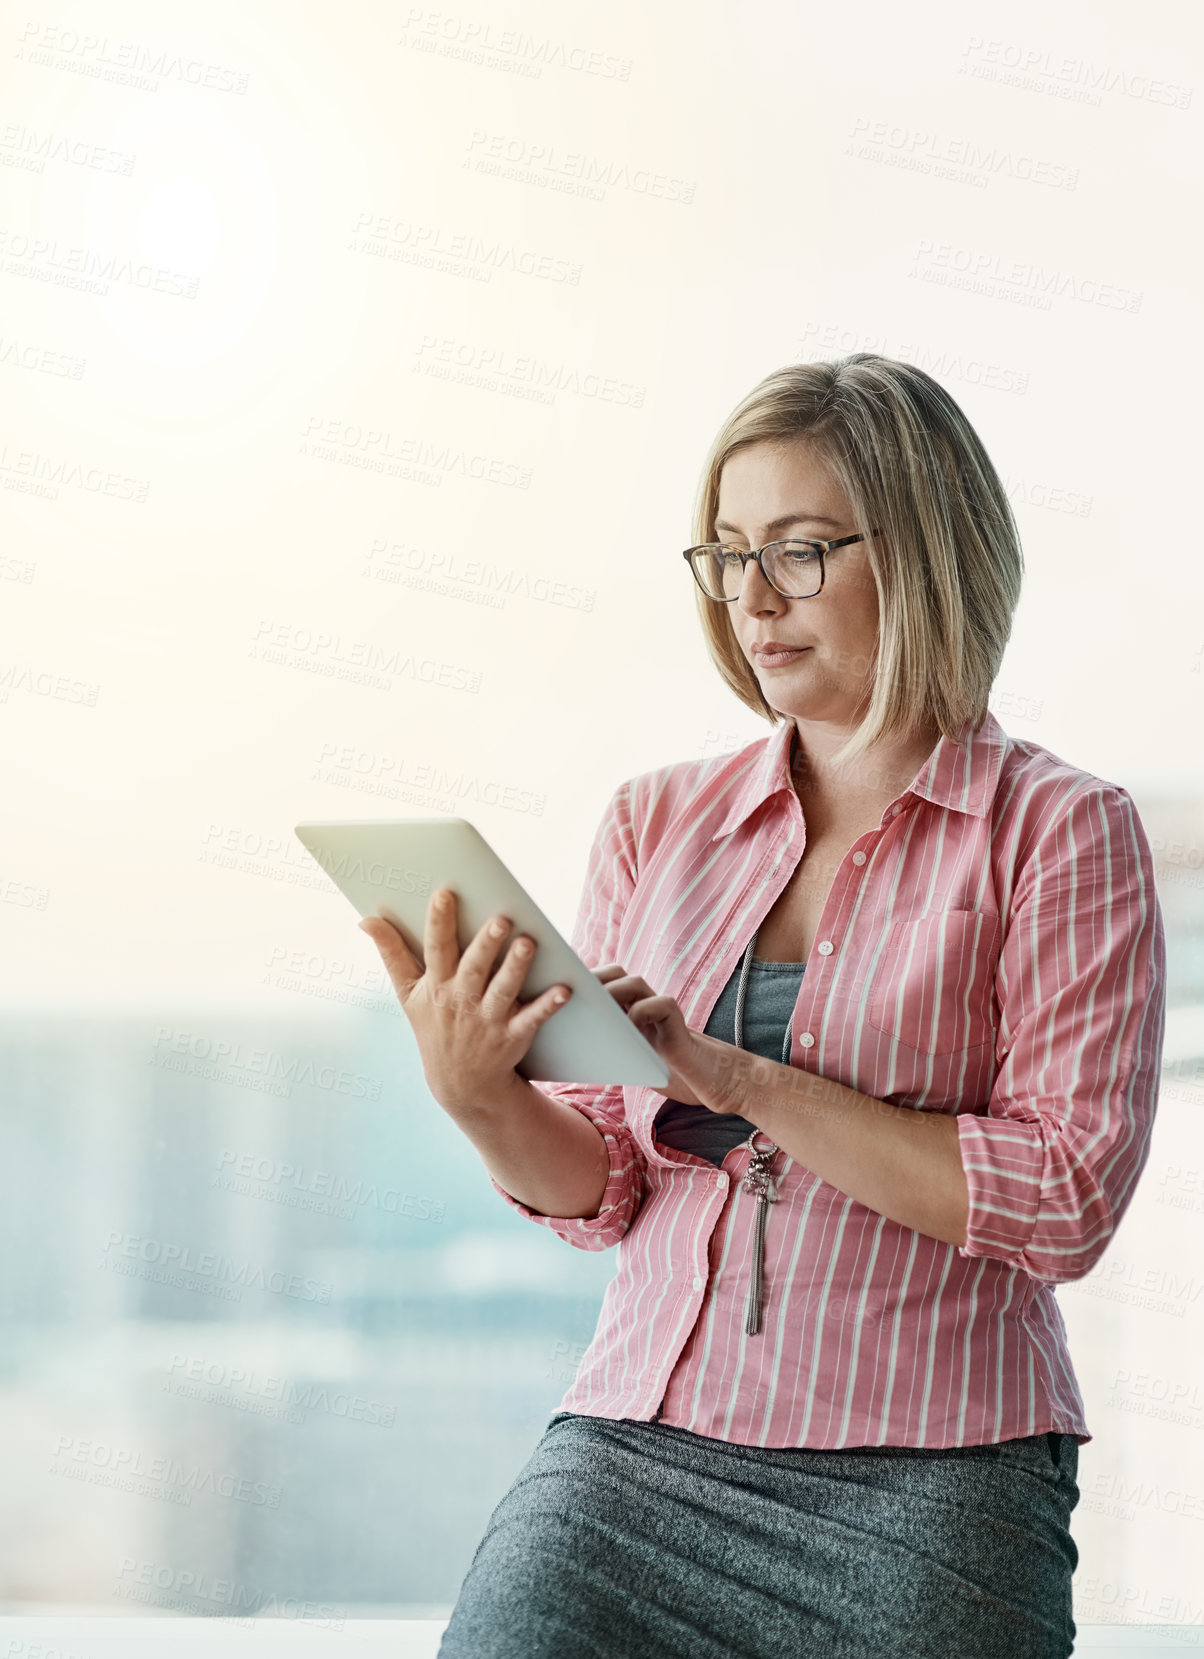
[[769, 1000]]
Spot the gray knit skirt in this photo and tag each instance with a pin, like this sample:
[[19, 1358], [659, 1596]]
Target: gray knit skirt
[[633, 1540]]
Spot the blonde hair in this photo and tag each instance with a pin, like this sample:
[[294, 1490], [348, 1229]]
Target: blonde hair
[[914, 470]]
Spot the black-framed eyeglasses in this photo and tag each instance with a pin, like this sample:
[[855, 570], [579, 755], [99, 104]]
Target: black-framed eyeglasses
[[795, 569]]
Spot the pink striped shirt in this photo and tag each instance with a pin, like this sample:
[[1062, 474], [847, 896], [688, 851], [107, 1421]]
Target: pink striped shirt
[[994, 949]]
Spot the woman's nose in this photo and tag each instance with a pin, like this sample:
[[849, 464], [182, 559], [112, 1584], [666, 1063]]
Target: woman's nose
[[755, 591]]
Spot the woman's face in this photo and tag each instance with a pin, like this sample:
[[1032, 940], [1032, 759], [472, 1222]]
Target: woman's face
[[776, 492]]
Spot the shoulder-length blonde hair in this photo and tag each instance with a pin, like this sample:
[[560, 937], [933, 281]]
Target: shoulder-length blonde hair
[[914, 470]]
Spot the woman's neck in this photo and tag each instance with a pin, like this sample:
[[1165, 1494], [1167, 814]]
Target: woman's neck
[[860, 788]]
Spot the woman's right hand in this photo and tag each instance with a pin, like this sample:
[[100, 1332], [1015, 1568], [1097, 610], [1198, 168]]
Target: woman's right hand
[[470, 1029], [626, 989]]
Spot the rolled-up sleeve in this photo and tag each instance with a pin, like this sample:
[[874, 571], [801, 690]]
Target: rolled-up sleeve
[[609, 883], [1052, 1162]]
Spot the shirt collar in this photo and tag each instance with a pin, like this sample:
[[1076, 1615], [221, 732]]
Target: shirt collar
[[962, 775]]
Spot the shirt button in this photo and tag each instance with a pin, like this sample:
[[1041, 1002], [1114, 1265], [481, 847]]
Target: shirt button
[[721, 1182], [699, 1281], [858, 858], [895, 811], [826, 947], [806, 1039]]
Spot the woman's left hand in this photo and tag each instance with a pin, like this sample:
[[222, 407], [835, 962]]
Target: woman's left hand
[[703, 1071]]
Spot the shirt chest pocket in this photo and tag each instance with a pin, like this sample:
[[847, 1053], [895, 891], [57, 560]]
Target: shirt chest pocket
[[934, 986]]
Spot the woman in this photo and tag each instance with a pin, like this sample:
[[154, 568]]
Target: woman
[[908, 976]]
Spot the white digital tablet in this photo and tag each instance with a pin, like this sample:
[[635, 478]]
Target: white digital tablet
[[390, 868]]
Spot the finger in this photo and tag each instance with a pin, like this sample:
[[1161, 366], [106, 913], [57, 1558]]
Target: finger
[[659, 1020], [480, 956], [650, 1013], [503, 989], [628, 990], [612, 970], [539, 1011], [401, 965], [440, 943]]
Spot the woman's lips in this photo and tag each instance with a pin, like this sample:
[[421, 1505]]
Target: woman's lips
[[775, 659]]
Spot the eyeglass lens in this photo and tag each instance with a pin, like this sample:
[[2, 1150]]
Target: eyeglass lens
[[793, 567]]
